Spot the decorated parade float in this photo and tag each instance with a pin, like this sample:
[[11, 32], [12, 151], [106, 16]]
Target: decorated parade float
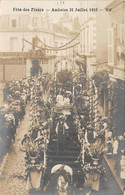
[[68, 123]]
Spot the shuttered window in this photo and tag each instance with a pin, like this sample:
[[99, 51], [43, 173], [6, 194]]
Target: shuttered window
[[110, 47]]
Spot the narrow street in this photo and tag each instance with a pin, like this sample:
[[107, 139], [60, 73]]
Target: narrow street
[[13, 175]]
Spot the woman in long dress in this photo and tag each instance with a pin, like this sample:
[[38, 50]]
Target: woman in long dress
[[60, 99], [122, 163], [61, 134], [115, 146]]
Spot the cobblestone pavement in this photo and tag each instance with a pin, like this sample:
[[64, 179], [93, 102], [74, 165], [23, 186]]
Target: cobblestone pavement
[[116, 173], [13, 181]]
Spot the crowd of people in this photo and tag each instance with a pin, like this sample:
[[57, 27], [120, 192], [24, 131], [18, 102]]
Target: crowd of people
[[118, 154], [16, 95], [96, 140]]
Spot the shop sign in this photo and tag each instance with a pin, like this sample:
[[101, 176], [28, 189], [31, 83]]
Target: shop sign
[[24, 54], [12, 61]]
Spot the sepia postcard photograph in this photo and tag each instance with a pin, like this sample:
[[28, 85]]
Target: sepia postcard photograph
[[62, 97]]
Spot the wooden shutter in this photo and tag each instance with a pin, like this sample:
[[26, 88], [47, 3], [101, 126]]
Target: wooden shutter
[[110, 47]]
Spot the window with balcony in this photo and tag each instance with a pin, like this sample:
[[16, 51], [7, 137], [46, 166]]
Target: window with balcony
[[120, 45], [116, 46]]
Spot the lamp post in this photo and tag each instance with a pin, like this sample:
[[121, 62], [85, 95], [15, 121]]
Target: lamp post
[[3, 72]]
